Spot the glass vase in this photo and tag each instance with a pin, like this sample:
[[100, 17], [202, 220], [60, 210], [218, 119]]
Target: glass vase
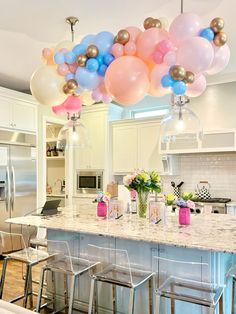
[[101, 209], [142, 202], [184, 216]]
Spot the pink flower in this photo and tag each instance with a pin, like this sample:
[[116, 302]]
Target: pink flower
[[190, 204]]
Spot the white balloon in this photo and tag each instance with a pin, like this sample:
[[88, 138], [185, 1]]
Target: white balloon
[[64, 44], [221, 59]]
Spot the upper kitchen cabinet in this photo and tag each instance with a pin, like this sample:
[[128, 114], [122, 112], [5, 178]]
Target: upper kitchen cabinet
[[135, 146], [17, 111]]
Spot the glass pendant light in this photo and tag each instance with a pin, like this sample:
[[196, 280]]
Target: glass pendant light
[[73, 134], [181, 124]]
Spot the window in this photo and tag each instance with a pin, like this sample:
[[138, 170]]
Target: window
[[149, 113]]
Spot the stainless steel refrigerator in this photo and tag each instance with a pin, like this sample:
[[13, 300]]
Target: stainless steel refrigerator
[[17, 178]]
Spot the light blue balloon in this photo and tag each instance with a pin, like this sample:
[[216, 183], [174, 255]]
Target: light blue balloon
[[108, 58], [70, 57], [167, 81], [102, 69], [86, 79], [79, 49], [104, 42], [179, 88], [100, 59], [59, 58], [92, 64], [70, 76], [88, 40], [207, 33]]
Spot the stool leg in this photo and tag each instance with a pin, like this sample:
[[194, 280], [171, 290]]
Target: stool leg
[[211, 310], [114, 298], [150, 288], [131, 300], [221, 305], [53, 291], [66, 290], [72, 292], [4, 269], [27, 285], [41, 281], [31, 288], [157, 309], [172, 301], [233, 295], [91, 296]]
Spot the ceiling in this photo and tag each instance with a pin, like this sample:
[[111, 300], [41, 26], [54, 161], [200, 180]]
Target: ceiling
[[28, 26]]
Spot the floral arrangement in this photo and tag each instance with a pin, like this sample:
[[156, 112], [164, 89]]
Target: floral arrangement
[[103, 197], [170, 199], [143, 181], [185, 200]]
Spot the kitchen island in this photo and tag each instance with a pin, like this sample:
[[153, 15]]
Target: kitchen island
[[210, 239]]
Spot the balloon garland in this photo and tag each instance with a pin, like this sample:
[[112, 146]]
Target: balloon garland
[[132, 64]]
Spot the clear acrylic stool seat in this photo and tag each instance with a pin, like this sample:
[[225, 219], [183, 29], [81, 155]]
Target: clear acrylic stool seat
[[14, 243], [41, 238], [188, 282], [232, 274], [115, 268], [62, 262]]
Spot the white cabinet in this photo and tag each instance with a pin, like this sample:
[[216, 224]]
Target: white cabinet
[[135, 146], [17, 113]]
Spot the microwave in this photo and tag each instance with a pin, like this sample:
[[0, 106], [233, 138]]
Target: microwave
[[89, 182]]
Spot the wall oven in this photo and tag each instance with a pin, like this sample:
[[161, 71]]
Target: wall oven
[[89, 182]]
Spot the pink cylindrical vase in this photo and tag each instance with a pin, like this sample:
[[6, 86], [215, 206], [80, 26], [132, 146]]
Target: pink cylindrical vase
[[184, 216], [101, 209]]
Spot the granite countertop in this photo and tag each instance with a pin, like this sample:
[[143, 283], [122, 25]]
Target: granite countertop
[[207, 232]]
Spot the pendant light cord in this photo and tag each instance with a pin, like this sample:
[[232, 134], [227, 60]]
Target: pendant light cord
[[181, 6], [72, 20]]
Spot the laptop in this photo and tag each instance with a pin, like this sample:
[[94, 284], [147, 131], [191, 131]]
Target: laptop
[[49, 208]]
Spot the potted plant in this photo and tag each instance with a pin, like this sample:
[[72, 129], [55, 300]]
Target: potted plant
[[185, 204], [170, 200]]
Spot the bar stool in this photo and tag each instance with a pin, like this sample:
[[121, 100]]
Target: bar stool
[[232, 274], [40, 240], [114, 268], [62, 263], [188, 282], [14, 243]]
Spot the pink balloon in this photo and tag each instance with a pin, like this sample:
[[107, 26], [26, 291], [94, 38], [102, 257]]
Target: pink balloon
[[184, 26], [157, 73], [59, 110], [62, 69], [126, 80], [198, 86], [164, 46], [130, 48], [97, 95], [73, 67], [117, 50], [106, 98], [147, 42], [195, 54], [221, 59], [134, 32], [170, 58], [158, 57], [46, 53], [72, 104]]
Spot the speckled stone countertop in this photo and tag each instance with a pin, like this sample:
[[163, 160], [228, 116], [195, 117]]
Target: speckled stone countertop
[[213, 232]]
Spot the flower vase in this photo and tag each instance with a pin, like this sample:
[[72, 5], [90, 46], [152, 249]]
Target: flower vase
[[101, 209], [184, 216], [169, 209], [142, 202]]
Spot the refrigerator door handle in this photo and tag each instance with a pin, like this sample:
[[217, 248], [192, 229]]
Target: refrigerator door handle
[[8, 199], [13, 187]]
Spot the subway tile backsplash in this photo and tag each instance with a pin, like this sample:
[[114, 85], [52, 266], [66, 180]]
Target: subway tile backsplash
[[219, 169]]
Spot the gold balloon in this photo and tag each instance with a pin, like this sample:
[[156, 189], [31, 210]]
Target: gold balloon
[[66, 90], [155, 23], [123, 36], [220, 39], [217, 24], [147, 21], [81, 59], [71, 84], [92, 51], [189, 77], [177, 73]]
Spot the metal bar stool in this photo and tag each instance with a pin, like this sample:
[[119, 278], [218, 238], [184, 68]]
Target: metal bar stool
[[114, 268], [62, 263], [232, 274], [14, 243], [188, 282]]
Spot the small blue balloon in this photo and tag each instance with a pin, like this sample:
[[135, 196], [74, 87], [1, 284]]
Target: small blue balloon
[[88, 40], [108, 58], [207, 33], [99, 58], [167, 81], [92, 65], [102, 69], [70, 76], [59, 58], [70, 57], [179, 88], [79, 49]]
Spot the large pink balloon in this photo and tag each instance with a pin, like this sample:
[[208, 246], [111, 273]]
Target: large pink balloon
[[184, 26], [195, 54], [157, 73], [134, 32], [198, 86], [126, 80], [147, 42], [221, 59]]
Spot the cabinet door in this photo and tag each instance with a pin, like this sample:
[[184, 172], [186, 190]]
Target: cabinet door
[[124, 148], [148, 144], [5, 113], [24, 117]]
